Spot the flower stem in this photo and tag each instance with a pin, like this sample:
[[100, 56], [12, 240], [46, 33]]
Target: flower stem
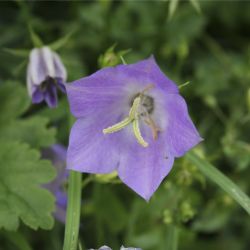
[[73, 211], [172, 238]]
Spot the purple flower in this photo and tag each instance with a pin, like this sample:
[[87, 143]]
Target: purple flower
[[130, 118], [57, 154], [45, 74]]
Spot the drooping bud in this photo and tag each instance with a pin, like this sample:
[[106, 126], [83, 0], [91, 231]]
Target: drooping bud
[[45, 74]]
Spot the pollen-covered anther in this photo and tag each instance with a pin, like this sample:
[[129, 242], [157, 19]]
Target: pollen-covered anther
[[133, 118]]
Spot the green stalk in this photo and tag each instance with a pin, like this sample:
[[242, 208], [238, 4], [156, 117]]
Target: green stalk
[[221, 180], [172, 238], [73, 211]]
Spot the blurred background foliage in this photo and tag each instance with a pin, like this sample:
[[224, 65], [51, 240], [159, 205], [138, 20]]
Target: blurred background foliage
[[210, 48]]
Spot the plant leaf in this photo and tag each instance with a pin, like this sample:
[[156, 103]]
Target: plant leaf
[[17, 239], [62, 41], [13, 101], [21, 196], [36, 40], [24, 53], [20, 130], [221, 180], [196, 5], [172, 8]]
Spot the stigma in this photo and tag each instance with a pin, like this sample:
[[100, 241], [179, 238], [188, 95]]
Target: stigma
[[142, 106]]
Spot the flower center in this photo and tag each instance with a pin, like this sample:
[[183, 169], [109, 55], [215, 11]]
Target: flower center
[[147, 104], [141, 107], [45, 84]]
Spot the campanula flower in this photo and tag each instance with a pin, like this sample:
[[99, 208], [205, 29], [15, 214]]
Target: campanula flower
[[57, 155], [45, 74], [130, 118]]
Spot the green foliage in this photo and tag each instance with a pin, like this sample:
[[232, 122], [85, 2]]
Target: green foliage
[[21, 171], [111, 58], [211, 172], [112, 209], [14, 101], [32, 130], [36, 40], [21, 195], [202, 42]]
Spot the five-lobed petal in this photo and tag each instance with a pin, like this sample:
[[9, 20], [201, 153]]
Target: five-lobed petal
[[106, 98]]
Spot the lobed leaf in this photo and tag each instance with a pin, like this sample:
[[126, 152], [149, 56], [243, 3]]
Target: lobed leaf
[[14, 101], [32, 130], [22, 174]]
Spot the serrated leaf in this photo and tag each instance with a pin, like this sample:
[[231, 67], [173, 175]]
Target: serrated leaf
[[14, 101], [21, 195], [32, 130]]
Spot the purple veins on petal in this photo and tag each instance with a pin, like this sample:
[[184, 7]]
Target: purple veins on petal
[[45, 74], [57, 155], [132, 119]]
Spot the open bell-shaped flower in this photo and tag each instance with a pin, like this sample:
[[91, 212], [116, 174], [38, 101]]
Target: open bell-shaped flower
[[46, 73], [132, 119]]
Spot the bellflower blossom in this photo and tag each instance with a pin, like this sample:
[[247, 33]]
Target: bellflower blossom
[[132, 119], [45, 74], [57, 155]]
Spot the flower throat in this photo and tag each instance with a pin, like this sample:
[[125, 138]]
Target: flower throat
[[142, 106]]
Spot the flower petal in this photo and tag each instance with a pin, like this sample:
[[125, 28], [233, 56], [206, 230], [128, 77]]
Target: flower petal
[[60, 84], [180, 133], [115, 86], [92, 94], [143, 169], [60, 70], [30, 83], [50, 96], [37, 96], [151, 70], [37, 68], [89, 149], [48, 56]]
